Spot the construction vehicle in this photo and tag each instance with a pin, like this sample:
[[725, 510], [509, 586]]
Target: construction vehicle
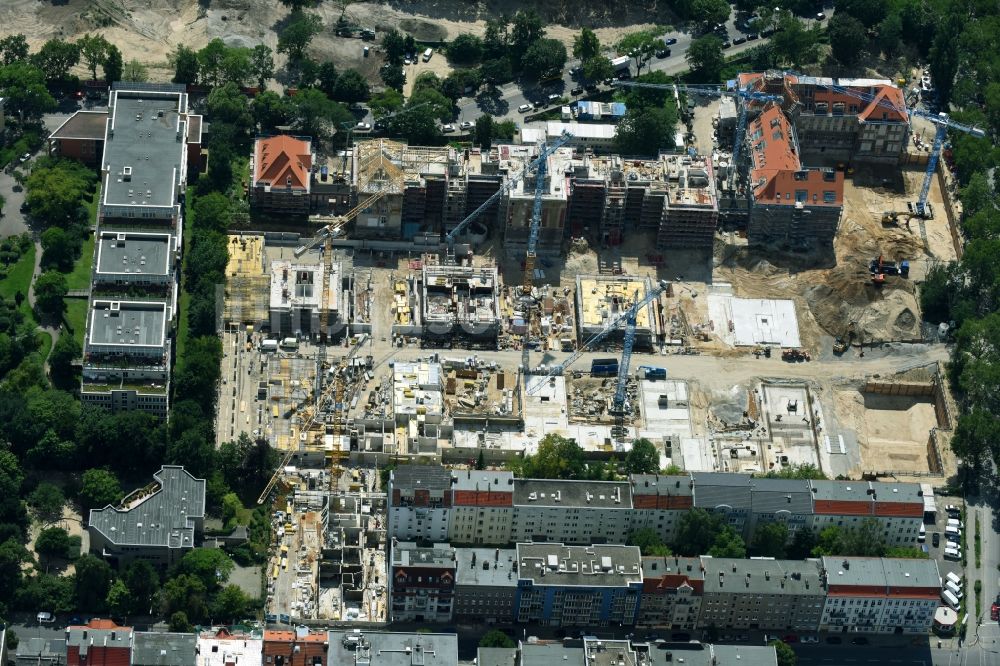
[[890, 218], [841, 344], [795, 355], [651, 373], [879, 266], [613, 325]]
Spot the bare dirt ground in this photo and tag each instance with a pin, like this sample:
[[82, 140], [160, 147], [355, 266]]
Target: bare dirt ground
[[149, 30], [892, 430]]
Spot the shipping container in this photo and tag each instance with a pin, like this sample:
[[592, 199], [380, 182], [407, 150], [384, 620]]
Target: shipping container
[[269, 346]]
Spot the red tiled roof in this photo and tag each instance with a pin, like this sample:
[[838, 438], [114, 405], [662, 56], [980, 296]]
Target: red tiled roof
[[842, 507], [98, 656], [662, 501], [281, 160], [482, 498], [909, 510]]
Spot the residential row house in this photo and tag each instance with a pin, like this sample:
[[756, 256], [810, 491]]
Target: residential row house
[[475, 507]]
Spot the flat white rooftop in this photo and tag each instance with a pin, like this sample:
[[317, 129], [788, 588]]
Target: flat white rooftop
[[133, 253], [545, 413], [299, 285], [665, 409], [743, 322]]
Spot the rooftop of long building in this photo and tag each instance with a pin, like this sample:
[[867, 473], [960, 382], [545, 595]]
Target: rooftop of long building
[[139, 254], [579, 566]]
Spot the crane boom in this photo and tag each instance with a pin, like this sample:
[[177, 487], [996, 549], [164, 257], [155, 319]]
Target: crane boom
[[510, 184], [630, 323], [603, 333]]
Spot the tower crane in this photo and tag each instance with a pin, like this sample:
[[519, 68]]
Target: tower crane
[[942, 123], [627, 317], [509, 185]]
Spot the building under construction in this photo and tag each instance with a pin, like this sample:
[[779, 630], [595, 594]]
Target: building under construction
[[600, 299], [297, 298], [247, 282], [459, 300], [521, 198]]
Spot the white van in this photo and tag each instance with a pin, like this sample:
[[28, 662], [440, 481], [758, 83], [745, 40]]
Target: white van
[[427, 54], [954, 578], [954, 589], [949, 599], [922, 535], [951, 529], [952, 554], [955, 522]]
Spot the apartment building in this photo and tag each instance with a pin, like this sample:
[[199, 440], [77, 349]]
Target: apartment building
[[494, 508], [281, 175], [421, 582], [882, 596], [850, 119], [793, 206], [158, 523], [98, 642], [299, 647], [584, 586], [672, 591], [222, 647], [590, 651], [485, 585], [148, 144], [354, 647], [783, 595], [154, 648]]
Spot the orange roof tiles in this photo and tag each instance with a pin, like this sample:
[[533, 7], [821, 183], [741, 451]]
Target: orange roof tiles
[[482, 498], [842, 507], [662, 501], [282, 160], [909, 510]]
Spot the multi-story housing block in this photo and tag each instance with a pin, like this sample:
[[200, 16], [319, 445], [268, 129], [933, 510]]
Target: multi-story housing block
[[672, 591], [421, 582], [586, 586], [762, 594], [420, 500], [485, 585], [880, 595]]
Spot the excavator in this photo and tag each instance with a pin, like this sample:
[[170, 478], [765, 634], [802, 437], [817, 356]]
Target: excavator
[[841, 344]]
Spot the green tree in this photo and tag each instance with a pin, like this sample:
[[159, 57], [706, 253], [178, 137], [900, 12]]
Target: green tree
[[13, 48], [47, 591], [710, 11], [179, 623], [262, 64], [56, 542], [597, 68], [98, 488], [802, 544], [135, 71], [237, 66], [326, 78], [465, 49], [786, 656], [298, 32], [640, 46], [56, 190], [483, 136], [50, 292], [12, 557], [706, 59], [866, 540], [315, 114], [119, 599], [543, 57], [228, 104], [642, 458], [113, 64], [494, 638], [394, 46], [298, 5], [187, 65], [770, 539], [496, 39], [392, 76], [94, 50], [696, 532], [47, 501], [497, 70], [527, 29], [210, 59], [386, 102], [351, 87], [143, 583], [848, 39], [56, 58], [646, 131], [230, 604], [208, 565], [728, 543], [186, 594], [22, 85], [649, 542], [59, 248], [586, 44], [92, 582], [976, 438], [270, 110], [803, 471], [556, 458], [795, 44]]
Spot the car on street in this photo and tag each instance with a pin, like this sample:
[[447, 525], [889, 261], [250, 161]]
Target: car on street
[[576, 91], [44, 617], [17, 187], [362, 127], [820, 16], [25, 157], [524, 108], [467, 125], [663, 53], [995, 611], [859, 640], [752, 36], [591, 87], [554, 97], [834, 640], [739, 40], [936, 539], [447, 129], [670, 41], [810, 638], [727, 44]]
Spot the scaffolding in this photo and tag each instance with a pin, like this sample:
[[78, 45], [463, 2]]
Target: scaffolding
[[247, 284]]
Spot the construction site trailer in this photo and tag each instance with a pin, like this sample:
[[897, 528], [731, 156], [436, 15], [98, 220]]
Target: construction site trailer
[[269, 345], [290, 343]]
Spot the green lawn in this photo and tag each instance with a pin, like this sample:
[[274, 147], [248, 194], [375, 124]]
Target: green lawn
[[19, 279], [44, 344], [91, 205], [76, 317], [79, 277], [184, 301]]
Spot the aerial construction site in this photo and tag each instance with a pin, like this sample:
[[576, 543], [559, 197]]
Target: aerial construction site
[[471, 302]]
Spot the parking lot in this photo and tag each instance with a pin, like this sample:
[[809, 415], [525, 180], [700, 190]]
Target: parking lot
[[937, 540]]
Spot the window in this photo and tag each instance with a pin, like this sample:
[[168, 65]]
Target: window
[[801, 195]]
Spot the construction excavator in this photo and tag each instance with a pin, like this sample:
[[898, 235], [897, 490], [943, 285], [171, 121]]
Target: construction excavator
[[841, 344]]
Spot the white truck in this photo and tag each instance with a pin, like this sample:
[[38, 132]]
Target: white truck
[[620, 63], [269, 345]]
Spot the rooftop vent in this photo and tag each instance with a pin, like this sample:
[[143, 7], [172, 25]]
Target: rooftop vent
[[127, 173]]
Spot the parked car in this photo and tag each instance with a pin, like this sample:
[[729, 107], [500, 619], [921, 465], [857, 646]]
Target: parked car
[[739, 40], [44, 617], [573, 71], [951, 509], [810, 638], [727, 44], [17, 187], [554, 97], [591, 87], [467, 125], [577, 91], [859, 640], [524, 108], [767, 32], [447, 129], [791, 638], [995, 611], [663, 53], [367, 50], [820, 16], [670, 41], [362, 127], [752, 36], [25, 158], [936, 539]]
